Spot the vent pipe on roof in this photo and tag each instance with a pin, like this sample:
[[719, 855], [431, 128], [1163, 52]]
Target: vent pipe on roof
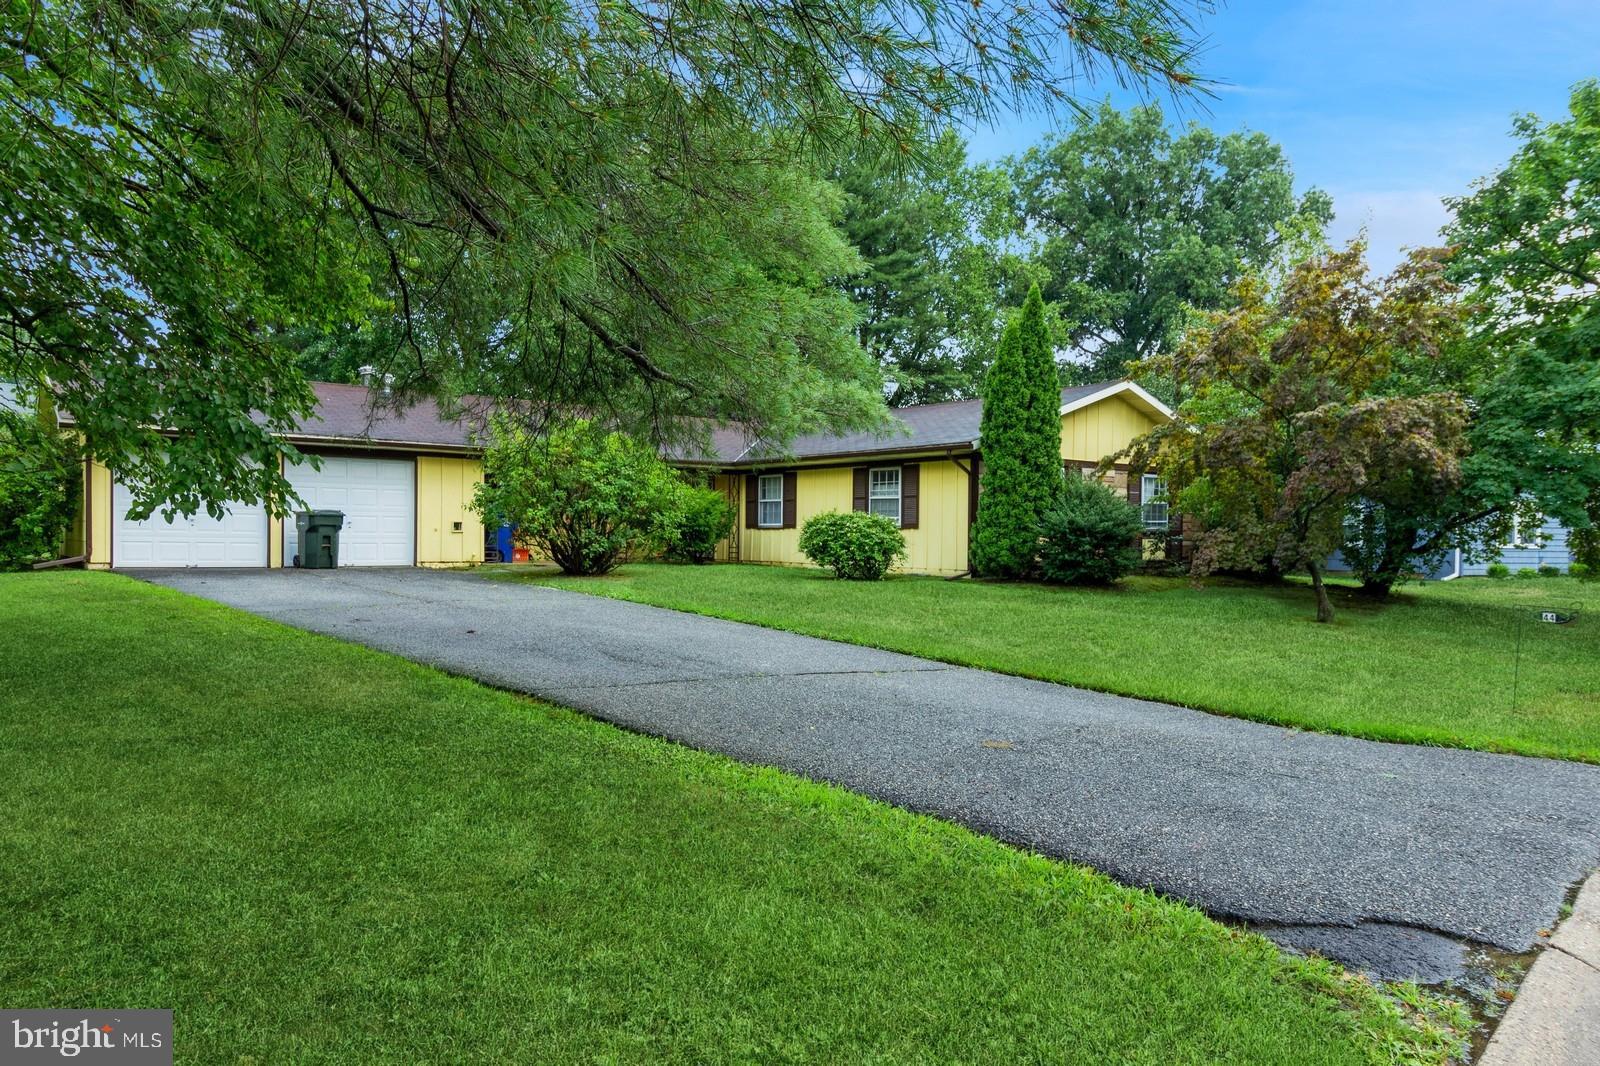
[[388, 384], [366, 373]]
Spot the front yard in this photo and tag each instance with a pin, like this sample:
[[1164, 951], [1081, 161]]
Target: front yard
[[1437, 665], [318, 853]]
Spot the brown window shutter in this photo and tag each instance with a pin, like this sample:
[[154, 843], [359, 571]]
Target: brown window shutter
[[858, 493], [910, 489], [791, 481], [1135, 487], [974, 486], [752, 488]]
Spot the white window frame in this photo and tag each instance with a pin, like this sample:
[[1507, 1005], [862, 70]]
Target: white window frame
[[763, 500], [874, 496], [1152, 495]]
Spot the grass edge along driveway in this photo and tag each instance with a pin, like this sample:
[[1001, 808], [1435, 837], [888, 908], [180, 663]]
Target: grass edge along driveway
[[1433, 666], [318, 852]]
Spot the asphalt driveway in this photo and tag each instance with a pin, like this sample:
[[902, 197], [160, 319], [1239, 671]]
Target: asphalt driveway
[[1392, 857]]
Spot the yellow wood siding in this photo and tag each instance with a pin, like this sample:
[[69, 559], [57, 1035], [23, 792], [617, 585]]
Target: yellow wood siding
[[275, 534], [1092, 433], [444, 498], [98, 501], [937, 546]]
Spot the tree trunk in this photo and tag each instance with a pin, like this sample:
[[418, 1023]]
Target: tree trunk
[[1398, 548], [1377, 586], [1324, 605]]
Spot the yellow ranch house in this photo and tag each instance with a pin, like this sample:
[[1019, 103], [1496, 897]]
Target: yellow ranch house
[[404, 481], [925, 475]]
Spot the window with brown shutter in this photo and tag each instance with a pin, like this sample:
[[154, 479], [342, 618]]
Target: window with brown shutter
[[769, 501], [910, 489], [791, 484], [883, 492], [1153, 507], [858, 489], [1135, 489]]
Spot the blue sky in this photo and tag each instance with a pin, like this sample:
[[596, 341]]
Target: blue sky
[[1387, 105]]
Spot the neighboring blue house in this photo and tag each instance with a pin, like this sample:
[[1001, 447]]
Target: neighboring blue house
[[1526, 551]]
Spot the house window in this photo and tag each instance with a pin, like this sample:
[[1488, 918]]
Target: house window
[[1527, 535], [769, 498], [1153, 501], [883, 492]]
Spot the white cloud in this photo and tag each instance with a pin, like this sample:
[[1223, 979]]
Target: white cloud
[[1394, 219]]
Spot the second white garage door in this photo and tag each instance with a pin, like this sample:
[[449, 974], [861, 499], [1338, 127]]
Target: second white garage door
[[379, 501]]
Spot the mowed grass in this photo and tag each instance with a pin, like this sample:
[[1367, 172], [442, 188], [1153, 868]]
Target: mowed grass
[[314, 852], [1438, 664]]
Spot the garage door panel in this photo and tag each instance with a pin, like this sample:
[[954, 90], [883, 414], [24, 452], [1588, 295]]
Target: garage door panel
[[238, 539], [378, 498]]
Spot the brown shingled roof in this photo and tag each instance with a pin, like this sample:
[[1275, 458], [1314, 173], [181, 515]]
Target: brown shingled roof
[[953, 424], [348, 413]]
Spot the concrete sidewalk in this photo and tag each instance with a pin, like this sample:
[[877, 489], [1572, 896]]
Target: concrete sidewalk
[[1555, 1019], [1392, 858]]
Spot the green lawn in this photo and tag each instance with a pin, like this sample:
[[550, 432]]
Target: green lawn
[[319, 853], [1434, 666]]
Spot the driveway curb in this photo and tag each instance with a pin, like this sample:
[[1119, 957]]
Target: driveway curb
[[1555, 1020]]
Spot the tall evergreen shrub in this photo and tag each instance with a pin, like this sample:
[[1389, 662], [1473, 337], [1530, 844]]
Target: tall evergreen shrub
[[1021, 446]]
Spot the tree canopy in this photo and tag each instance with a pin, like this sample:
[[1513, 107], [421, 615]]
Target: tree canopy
[[606, 204], [1131, 227], [926, 297], [1525, 253], [1287, 431]]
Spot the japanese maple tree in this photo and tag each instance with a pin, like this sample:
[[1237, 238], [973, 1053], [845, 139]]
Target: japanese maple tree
[[1287, 427]]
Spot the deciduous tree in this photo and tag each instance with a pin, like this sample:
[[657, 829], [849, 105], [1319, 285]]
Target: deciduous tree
[[1526, 252], [1295, 434], [1134, 226]]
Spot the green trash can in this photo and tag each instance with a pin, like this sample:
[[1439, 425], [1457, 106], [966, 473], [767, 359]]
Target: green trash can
[[318, 538]]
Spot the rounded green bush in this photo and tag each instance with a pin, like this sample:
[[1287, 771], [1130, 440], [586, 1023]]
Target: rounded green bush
[[855, 545], [1498, 571], [585, 496], [704, 517], [1089, 536], [1580, 571], [1527, 573], [1546, 570]]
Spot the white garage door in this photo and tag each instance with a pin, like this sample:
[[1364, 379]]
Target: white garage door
[[237, 539], [379, 501]]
